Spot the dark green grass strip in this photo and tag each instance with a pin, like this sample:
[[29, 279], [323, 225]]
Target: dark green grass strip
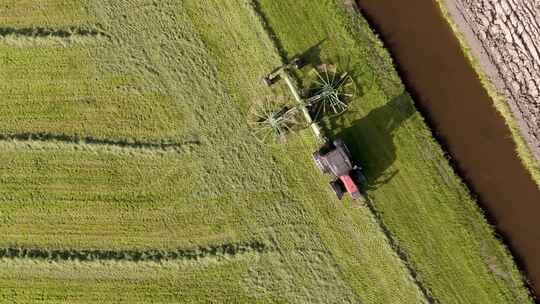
[[43, 32], [152, 255], [399, 251], [68, 139]]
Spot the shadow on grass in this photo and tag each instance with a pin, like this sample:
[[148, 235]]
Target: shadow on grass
[[312, 56], [371, 138]]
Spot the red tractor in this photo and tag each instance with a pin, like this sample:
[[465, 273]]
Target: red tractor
[[334, 158]]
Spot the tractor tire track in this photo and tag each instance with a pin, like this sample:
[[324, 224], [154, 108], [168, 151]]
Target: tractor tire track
[[399, 251], [217, 251], [166, 146]]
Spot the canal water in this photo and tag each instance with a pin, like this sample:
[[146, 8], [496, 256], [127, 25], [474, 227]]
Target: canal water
[[464, 120]]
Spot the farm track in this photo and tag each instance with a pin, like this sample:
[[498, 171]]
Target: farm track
[[86, 140], [232, 249], [399, 251], [45, 32]]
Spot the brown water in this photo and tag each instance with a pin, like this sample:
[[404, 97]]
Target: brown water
[[464, 120]]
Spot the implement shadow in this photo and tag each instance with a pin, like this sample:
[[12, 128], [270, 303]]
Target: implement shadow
[[371, 138], [312, 56]]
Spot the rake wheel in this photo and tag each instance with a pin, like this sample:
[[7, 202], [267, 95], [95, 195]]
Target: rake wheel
[[330, 91], [271, 119]]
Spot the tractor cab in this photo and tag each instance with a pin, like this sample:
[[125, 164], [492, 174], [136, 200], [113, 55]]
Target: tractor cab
[[334, 158]]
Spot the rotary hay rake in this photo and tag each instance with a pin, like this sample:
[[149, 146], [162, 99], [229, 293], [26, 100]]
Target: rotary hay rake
[[328, 92], [272, 119]]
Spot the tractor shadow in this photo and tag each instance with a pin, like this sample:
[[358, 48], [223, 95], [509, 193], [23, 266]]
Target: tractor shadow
[[371, 138]]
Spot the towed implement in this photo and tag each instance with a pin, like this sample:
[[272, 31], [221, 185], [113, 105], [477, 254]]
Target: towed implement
[[327, 94]]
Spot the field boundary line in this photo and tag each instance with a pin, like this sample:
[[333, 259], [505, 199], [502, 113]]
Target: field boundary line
[[103, 142], [217, 251], [397, 249], [263, 19]]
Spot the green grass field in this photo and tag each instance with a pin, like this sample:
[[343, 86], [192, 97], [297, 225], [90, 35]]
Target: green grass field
[[29, 13], [144, 147]]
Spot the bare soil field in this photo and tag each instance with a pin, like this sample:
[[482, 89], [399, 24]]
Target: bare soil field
[[504, 36]]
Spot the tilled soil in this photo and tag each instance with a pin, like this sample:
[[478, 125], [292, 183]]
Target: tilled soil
[[505, 36]]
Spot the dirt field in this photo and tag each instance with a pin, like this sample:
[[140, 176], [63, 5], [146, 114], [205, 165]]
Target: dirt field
[[505, 38]]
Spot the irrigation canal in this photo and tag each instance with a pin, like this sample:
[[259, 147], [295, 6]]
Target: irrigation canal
[[464, 120]]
